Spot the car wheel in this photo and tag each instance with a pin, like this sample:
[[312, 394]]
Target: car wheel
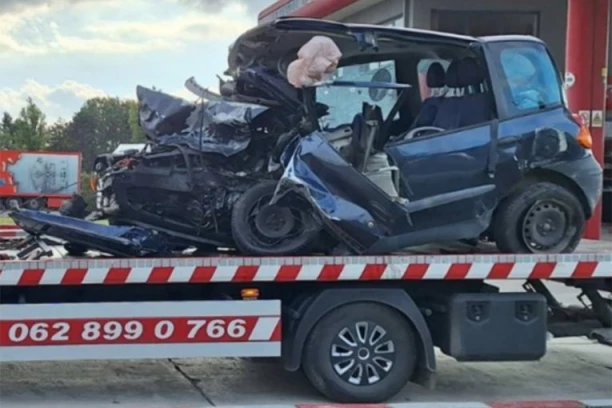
[[35, 204], [270, 230], [76, 207], [13, 203], [360, 353], [539, 218]]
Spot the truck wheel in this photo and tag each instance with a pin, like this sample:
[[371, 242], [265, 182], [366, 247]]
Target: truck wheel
[[539, 218], [270, 230], [360, 353], [35, 204], [13, 203]]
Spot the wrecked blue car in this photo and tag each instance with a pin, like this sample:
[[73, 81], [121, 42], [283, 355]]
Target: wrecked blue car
[[482, 145], [414, 137]]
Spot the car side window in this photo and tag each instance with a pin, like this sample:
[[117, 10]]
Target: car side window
[[529, 78], [345, 102]]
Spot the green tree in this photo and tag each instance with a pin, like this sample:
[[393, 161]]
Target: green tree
[[98, 127], [29, 129], [137, 135], [57, 136], [7, 132]]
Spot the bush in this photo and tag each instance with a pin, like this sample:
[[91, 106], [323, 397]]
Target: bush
[[86, 192]]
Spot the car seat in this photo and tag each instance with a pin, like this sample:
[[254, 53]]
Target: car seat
[[436, 81], [465, 109], [363, 156], [478, 102]]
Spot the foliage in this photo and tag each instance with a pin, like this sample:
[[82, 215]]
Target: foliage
[[86, 192], [98, 127], [27, 132]]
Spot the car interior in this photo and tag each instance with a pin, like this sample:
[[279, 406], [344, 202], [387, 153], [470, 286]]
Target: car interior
[[456, 97]]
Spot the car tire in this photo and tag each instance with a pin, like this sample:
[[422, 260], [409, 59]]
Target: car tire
[[249, 236], [332, 335], [75, 249], [76, 207], [539, 218]]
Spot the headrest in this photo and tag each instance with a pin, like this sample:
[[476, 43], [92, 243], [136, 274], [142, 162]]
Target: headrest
[[452, 75], [470, 73], [436, 76]]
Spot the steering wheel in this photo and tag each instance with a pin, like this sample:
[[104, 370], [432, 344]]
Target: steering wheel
[[419, 132]]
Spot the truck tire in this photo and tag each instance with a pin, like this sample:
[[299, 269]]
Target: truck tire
[[539, 218], [361, 353], [35, 204], [13, 203]]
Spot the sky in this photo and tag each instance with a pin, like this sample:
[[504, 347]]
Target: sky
[[62, 52]]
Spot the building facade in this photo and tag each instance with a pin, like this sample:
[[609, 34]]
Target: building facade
[[577, 32]]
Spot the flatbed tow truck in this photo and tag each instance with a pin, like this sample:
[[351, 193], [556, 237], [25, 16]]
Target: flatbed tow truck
[[359, 327]]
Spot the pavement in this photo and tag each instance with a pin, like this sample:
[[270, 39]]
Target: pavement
[[573, 369]]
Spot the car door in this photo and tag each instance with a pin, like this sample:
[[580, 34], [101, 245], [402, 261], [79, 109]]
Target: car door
[[449, 174]]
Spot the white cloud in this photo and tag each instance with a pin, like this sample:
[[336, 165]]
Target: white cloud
[[56, 101], [87, 28], [196, 27]]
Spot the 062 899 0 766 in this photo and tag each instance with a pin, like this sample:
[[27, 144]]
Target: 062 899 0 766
[[61, 330], [127, 330]]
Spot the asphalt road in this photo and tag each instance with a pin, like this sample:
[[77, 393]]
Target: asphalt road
[[573, 369]]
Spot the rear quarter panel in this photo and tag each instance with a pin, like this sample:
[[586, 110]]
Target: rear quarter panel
[[536, 141]]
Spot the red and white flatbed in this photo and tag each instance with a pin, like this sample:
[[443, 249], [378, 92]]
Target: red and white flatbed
[[316, 313]]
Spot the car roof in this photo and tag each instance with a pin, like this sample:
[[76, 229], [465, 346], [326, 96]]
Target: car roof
[[442, 35], [433, 35], [512, 37], [430, 34], [271, 40]]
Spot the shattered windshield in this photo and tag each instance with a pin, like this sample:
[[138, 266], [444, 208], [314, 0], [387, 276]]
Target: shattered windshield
[[345, 102]]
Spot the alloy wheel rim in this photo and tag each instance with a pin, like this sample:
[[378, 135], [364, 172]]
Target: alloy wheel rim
[[362, 353]]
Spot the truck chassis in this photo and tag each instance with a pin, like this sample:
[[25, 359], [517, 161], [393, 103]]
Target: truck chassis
[[359, 327]]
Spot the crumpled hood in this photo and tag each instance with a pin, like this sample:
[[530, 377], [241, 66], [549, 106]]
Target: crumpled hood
[[211, 126]]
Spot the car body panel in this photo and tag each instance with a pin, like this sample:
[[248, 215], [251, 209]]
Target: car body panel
[[212, 127], [546, 141]]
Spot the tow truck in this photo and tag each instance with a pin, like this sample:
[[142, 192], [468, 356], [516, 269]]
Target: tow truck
[[360, 327]]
